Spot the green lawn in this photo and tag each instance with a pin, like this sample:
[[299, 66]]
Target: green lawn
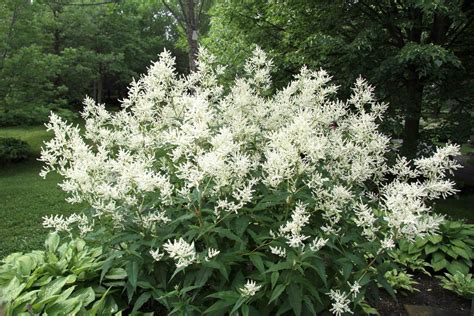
[[26, 197], [33, 135]]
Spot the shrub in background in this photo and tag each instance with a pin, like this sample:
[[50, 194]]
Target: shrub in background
[[13, 150], [244, 201], [29, 116]]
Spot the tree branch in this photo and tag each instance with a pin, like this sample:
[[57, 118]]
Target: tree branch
[[174, 14]]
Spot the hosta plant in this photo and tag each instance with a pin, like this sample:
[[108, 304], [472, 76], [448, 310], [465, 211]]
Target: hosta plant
[[64, 279], [241, 200], [450, 249], [461, 284]]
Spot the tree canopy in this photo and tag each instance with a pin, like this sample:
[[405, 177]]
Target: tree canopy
[[418, 53]]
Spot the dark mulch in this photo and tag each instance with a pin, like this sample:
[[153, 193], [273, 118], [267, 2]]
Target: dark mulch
[[430, 294]]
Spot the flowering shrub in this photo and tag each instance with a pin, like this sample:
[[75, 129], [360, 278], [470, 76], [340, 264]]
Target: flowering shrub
[[243, 200]]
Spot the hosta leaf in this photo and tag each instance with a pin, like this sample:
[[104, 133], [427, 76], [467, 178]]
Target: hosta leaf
[[457, 266], [439, 265], [116, 274], [437, 257], [435, 239], [460, 251], [52, 241], [55, 286], [430, 248], [12, 290]]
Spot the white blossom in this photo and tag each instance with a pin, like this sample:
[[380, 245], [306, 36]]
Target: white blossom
[[211, 253], [250, 288], [65, 224], [156, 255], [355, 288], [318, 243], [292, 230], [182, 252], [340, 303], [279, 251]]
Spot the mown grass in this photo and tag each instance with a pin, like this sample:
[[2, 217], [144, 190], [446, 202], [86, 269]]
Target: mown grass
[[33, 135], [25, 197]]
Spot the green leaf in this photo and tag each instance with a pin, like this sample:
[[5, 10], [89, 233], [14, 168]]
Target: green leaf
[[202, 276], [132, 272], [277, 292], [295, 295], [237, 305], [437, 257], [12, 290], [420, 242], [321, 271], [142, 299], [460, 251], [52, 242], [368, 310], [439, 265], [116, 274], [217, 306], [241, 224], [56, 286], [257, 262], [245, 310], [430, 248], [105, 268], [274, 278], [435, 239], [383, 281], [457, 266], [227, 298]]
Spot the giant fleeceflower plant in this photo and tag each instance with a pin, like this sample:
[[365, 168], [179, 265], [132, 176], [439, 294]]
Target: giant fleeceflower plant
[[297, 177]]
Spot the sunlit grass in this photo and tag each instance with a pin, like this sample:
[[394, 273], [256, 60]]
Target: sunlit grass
[[26, 197]]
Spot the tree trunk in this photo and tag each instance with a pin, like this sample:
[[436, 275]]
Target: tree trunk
[[193, 50], [191, 34], [411, 133], [100, 88], [414, 85]]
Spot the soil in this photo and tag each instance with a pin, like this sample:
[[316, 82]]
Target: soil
[[430, 294]]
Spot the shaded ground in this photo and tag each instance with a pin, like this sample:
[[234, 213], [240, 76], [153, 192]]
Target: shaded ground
[[430, 294]]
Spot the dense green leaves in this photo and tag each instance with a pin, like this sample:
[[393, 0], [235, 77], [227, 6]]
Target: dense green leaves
[[54, 53]]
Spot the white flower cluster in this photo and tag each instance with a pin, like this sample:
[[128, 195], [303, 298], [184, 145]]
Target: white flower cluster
[[250, 288], [291, 231], [340, 303], [60, 223], [182, 252], [182, 142]]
